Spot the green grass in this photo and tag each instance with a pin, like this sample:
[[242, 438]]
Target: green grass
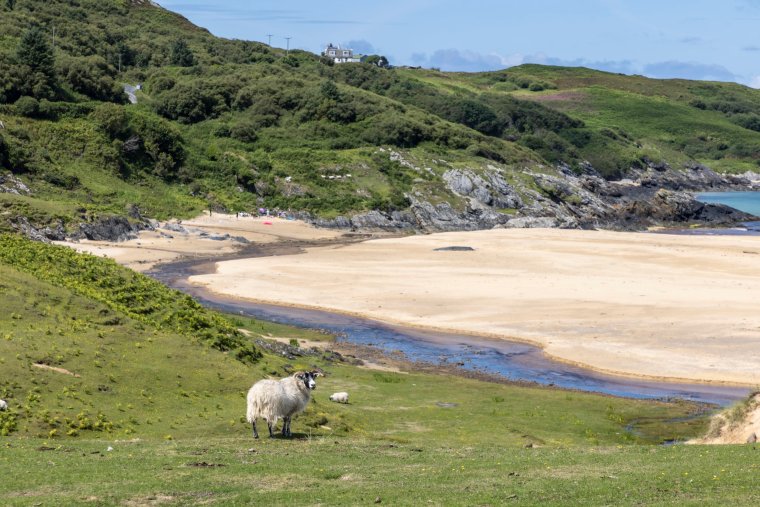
[[266, 329], [332, 471], [170, 405]]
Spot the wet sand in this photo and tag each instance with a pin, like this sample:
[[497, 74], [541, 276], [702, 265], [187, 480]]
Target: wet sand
[[659, 306]]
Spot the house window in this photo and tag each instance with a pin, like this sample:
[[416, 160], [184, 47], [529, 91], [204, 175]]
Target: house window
[[332, 53]]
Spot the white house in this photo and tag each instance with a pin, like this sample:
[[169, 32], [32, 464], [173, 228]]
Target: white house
[[340, 55]]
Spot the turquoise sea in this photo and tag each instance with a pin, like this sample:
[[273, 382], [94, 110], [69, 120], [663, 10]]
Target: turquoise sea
[[749, 202]]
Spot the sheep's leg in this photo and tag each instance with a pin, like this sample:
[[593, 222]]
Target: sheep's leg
[[255, 433], [269, 425], [286, 427]]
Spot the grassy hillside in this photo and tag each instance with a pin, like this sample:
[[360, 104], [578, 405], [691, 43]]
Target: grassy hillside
[[673, 120], [83, 372], [235, 125]]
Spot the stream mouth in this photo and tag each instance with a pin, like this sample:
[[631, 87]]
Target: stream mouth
[[511, 360]]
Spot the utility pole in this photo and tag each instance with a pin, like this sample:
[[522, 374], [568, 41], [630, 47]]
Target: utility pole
[[270, 39], [287, 51], [53, 39]]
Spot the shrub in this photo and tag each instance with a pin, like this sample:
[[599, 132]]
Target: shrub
[[244, 131], [28, 106], [395, 130], [111, 119], [188, 103], [749, 121], [91, 76], [180, 54], [161, 143], [161, 84]]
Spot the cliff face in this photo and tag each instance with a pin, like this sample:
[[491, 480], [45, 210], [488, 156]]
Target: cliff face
[[656, 195]]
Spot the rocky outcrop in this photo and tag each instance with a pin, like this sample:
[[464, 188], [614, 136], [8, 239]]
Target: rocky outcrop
[[10, 184], [421, 216], [494, 191], [654, 195], [45, 234], [114, 228]]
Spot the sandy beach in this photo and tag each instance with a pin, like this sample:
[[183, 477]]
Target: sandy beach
[[203, 236], [661, 306]]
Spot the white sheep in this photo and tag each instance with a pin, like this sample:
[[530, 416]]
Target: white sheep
[[3, 405], [339, 397], [284, 398]]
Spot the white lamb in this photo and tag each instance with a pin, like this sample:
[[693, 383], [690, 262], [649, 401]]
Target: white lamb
[[339, 397], [3, 405], [285, 398]]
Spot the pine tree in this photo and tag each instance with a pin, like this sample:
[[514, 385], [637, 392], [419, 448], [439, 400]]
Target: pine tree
[[37, 64], [35, 52]]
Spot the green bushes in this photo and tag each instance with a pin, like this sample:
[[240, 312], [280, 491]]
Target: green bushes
[[112, 120], [123, 290], [392, 129], [750, 121], [90, 76], [180, 54], [188, 103], [150, 143], [244, 131], [28, 106], [161, 143]]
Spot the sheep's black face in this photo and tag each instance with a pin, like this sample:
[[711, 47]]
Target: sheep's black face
[[309, 379]]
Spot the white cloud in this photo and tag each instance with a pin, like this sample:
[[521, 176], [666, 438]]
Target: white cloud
[[754, 82], [689, 70]]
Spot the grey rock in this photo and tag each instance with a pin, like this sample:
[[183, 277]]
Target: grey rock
[[455, 249], [112, 228], [10, 184], [752, 438], [170, 226], [489, 190], [653, 194], [532, 223], [459, 182]]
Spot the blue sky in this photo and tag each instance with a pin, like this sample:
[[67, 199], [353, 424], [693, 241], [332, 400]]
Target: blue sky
[[693, 39]]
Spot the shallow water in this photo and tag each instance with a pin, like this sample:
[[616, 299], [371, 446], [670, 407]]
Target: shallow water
[[748, 202], [512, 360]]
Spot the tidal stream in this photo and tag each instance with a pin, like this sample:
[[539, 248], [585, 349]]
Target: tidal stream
[[511, 360]]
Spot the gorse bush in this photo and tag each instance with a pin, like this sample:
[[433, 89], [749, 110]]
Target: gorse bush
[[130, 293]]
